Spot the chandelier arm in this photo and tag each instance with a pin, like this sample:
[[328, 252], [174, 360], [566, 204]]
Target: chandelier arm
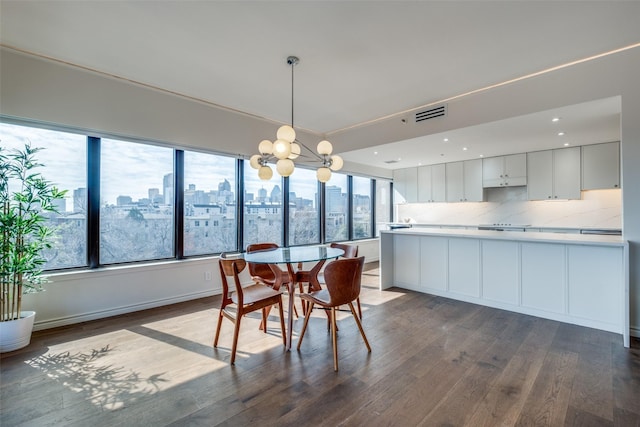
[[316, 155]]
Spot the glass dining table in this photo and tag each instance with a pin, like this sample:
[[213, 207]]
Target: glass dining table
[[293, 258]]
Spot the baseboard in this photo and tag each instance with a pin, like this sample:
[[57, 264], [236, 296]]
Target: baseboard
[[634, 331], [95, 315]]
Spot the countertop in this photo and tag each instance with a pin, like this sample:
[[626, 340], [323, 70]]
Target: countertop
[[527, 227], [518, 236]]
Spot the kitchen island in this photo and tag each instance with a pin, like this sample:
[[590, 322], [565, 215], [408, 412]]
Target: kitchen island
[[575, 278]]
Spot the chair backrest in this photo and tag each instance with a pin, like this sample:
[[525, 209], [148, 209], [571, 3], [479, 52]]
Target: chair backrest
[[350, 251], [261, 270], [343, 277], [231, 268]]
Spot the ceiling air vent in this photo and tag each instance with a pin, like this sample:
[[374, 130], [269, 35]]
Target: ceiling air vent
[[431, 113], [389, 162]]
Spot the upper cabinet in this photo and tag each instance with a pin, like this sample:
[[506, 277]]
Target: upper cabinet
[[504, 171], [601, 166], [431, 184], [405, 185], [464, 181], [554, 174]]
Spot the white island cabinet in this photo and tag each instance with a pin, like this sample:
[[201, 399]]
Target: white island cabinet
[[573, 278]]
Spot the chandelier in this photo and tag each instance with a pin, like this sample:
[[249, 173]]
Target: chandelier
[[286, 148]]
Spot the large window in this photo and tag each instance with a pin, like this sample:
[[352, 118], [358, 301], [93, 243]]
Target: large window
[[134, 219], [263, 209], [304, 212], [210, 222], [64, 156], [361, 208], [336, 208], [136, 210]]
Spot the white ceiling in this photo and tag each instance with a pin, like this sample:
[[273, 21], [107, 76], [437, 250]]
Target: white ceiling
[[360, 60]]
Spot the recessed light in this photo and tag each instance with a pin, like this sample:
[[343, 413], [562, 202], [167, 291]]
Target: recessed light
[[375, 153], [399, 158], [481, 155], [446, 140], [464, 148], [560, 133], [555, 119], [566, 144], [419, 163]]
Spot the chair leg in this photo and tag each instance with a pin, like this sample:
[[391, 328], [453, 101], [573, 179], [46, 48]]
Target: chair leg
[[236, 332], [303, 303], [263, 324], [334, 338], [359, 308], [304, 325], [220, 316], [364, 337], [284, 333]]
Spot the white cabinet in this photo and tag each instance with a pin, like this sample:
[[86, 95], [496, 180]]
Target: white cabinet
[[601, 166], [464, 181], [554, 174], [500, 274], [431, 184], [407, 269], [434, 262], [504, 171], [405, 185], [464, 267], [543, 275]]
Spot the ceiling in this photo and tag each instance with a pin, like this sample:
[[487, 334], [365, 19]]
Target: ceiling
[[360, 61]]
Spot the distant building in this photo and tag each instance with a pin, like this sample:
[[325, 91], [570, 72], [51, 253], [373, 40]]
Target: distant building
[[79, 199], [124, 201], [167, 188]]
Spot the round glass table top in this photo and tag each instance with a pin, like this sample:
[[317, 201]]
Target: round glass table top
[[292, 255]]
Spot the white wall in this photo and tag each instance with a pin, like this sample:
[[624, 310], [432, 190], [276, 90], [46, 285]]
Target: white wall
[[596, 209], [37, 89]]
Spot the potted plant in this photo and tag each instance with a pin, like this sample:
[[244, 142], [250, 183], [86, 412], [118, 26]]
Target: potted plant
[[26, 197]]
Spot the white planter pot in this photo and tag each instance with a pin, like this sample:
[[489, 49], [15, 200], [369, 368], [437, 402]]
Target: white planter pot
[[16, 334]]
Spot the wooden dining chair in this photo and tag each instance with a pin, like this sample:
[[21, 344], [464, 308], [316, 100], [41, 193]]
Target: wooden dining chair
[[246, 300], [342, 278], [350, 251], [263, 273]]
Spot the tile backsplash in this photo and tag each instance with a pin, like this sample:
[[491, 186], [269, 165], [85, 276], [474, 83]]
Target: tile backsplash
[[596, 209]]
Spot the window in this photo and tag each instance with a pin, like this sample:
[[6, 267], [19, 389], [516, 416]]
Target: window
[[304, 212], [361, 208], [136, 207], [262, 208], [64, 156], [210, 182], [336, 208], [383, 202]]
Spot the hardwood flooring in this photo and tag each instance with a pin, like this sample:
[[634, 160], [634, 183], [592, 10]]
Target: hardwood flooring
[[434, 362]]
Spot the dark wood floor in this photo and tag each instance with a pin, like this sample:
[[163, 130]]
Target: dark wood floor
[[435, 362]]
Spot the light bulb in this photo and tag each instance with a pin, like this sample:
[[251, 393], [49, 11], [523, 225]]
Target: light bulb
[[286, 133], [281, 148], [285, 167], [336, 163], [265, 147], [323, 174], [265, 173], [295, 151], [254, 162], [324, 147]]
